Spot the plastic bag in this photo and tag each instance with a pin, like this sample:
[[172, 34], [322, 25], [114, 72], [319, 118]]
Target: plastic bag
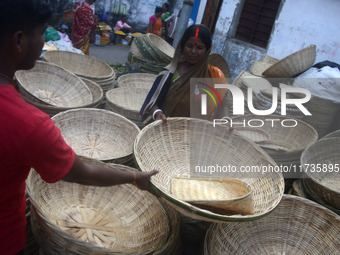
[[51, 35]]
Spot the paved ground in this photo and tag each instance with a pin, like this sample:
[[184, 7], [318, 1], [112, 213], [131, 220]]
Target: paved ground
[[110, 54]]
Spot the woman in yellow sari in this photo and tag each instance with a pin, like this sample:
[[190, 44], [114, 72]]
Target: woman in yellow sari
[[155, 22], [172, 95]]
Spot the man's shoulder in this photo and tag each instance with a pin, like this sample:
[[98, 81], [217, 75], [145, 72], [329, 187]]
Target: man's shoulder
[[14, 110]]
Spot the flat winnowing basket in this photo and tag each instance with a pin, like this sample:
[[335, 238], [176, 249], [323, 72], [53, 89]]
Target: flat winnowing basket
[[296, 226], [97, 94], [126, 101], [224, 196], [297, 137], [137, 80], [54, 86], [179, 147], [86, 66], [68, 218], [293, 64], [321, 163], [98, 134]]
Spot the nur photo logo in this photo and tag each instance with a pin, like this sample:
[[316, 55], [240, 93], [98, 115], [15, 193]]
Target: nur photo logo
[[239, 102], [204, 87]]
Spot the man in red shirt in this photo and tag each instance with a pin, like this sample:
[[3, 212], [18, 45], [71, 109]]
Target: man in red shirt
[[28, 136]]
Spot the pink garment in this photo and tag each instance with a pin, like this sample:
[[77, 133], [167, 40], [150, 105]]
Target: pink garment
[[120, 25], [153, 19]]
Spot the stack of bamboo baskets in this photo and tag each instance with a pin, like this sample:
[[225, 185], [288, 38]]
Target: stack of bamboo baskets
[[151, 53], [53, 89], [84, 67]]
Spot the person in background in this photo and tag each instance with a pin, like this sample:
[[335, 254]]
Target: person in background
[[171, 23], [105, 16], [155, 22], [29, 138], [82, 25], [166, 14], [121, 25], [67, 20], [190, 61], [94, 29]]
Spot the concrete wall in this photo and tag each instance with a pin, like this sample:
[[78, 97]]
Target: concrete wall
[[305, 22], [299, 23]]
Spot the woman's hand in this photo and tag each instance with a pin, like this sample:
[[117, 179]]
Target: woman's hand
[[157, 114], [161, 116]]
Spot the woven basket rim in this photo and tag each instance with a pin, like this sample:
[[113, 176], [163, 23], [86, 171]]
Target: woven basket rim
[[50, 107], [73, 54], [43, 103], [286, 198], [306, 151], [128, 75], [149, 36], [172, 231], [282, 62], [333, 134], [274, 116], [122, 90], [116, 115], [207, 215], [256, 130]]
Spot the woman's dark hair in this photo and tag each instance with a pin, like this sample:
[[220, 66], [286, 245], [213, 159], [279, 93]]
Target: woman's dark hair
[[22, 15], [167, 6], [158, 9], [199, 31]]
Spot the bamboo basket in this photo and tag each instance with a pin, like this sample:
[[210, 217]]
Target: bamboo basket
[[136, 80], [300, 189], [51, 85], [293, 64], [97, 94], [265, 102], [323, 181], [296, 226], [152, 55], [176, 148], [98, 134], [238, 82], [68, 218], [324, 112], [334, 134], [162, 48], [82, 65], [223, 196], [126, 101], [253, 134], [286, 143], [258, 67], [269, 59]]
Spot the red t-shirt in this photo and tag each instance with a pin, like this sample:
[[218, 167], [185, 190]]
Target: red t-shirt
[[28, 139]]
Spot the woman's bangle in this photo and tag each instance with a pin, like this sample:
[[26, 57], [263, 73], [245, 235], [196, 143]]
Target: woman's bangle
[[154, 113], [227, 118], [134, 178]]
